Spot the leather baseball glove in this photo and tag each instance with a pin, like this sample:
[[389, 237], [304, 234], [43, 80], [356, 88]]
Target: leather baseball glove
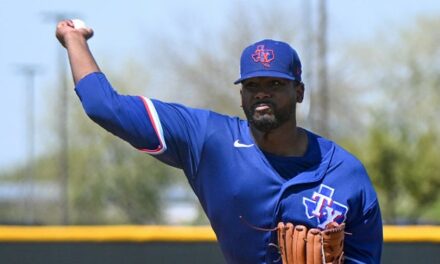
[[298, 245]]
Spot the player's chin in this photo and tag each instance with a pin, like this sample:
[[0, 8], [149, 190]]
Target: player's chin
[[264, 123], [263, 117]]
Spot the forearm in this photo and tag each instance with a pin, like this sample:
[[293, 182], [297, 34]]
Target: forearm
[[81, 59], [124, 116], [74, 40]]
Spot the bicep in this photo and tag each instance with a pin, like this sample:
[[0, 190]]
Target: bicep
[[122, 115]]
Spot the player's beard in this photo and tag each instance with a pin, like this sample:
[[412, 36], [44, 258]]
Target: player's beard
[[269, 120]]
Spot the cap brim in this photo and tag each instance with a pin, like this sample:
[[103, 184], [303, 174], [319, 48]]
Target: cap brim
[[264, 74]]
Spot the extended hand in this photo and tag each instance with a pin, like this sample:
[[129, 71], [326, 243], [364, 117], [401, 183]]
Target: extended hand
[[66, 31]]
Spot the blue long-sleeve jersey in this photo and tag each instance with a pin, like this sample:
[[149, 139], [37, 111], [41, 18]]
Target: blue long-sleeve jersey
[[234, 180]]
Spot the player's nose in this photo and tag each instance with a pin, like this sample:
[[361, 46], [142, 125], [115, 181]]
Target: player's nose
[[263, 94]]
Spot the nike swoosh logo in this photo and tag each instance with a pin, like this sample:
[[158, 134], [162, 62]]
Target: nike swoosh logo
[[237, 144]]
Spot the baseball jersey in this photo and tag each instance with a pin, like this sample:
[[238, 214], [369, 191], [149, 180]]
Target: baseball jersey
[[236, 184]]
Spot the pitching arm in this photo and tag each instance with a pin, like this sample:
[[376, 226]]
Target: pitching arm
[[74, 40]]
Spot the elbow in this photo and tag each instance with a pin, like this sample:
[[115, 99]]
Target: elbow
[[94, 111], [100, 112]]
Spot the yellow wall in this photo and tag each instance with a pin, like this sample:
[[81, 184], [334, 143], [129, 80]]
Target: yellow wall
[[171, 233]]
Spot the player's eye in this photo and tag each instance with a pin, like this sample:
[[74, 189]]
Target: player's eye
[[250, 86], [277, 84]]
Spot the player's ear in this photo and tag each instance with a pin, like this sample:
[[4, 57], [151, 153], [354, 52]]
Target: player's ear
[[299, 92]]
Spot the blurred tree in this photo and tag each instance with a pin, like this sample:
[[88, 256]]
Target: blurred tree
[[404, 172], [402, 145], [111, 182], [422, 179], [202, 67], [381, 153], [382, 102]]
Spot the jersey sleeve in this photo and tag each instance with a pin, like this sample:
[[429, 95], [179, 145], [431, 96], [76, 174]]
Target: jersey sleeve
[[172, 133], [364, 238], [366, 245], [184, 131], [364, 235]]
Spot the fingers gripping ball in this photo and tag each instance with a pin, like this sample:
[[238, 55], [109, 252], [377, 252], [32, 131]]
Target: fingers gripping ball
[[78, 24]]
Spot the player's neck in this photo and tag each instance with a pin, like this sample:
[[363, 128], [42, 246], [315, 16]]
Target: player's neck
[[286, 140]]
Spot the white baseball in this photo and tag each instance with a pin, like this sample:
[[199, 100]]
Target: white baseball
[[78, 23]]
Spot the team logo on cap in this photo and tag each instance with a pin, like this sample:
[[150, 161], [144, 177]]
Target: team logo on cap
[[264, 56]]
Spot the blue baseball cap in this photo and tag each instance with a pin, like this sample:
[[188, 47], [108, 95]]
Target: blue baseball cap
[[269, 58]]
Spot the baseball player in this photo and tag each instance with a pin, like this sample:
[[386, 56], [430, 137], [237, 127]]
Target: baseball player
[[263, 182]]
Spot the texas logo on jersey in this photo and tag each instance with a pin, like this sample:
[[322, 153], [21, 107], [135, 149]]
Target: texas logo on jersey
[[322, 207], [265, 56]]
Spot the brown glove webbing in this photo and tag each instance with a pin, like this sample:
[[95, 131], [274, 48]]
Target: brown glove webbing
[[333, 242], [297, 245]]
